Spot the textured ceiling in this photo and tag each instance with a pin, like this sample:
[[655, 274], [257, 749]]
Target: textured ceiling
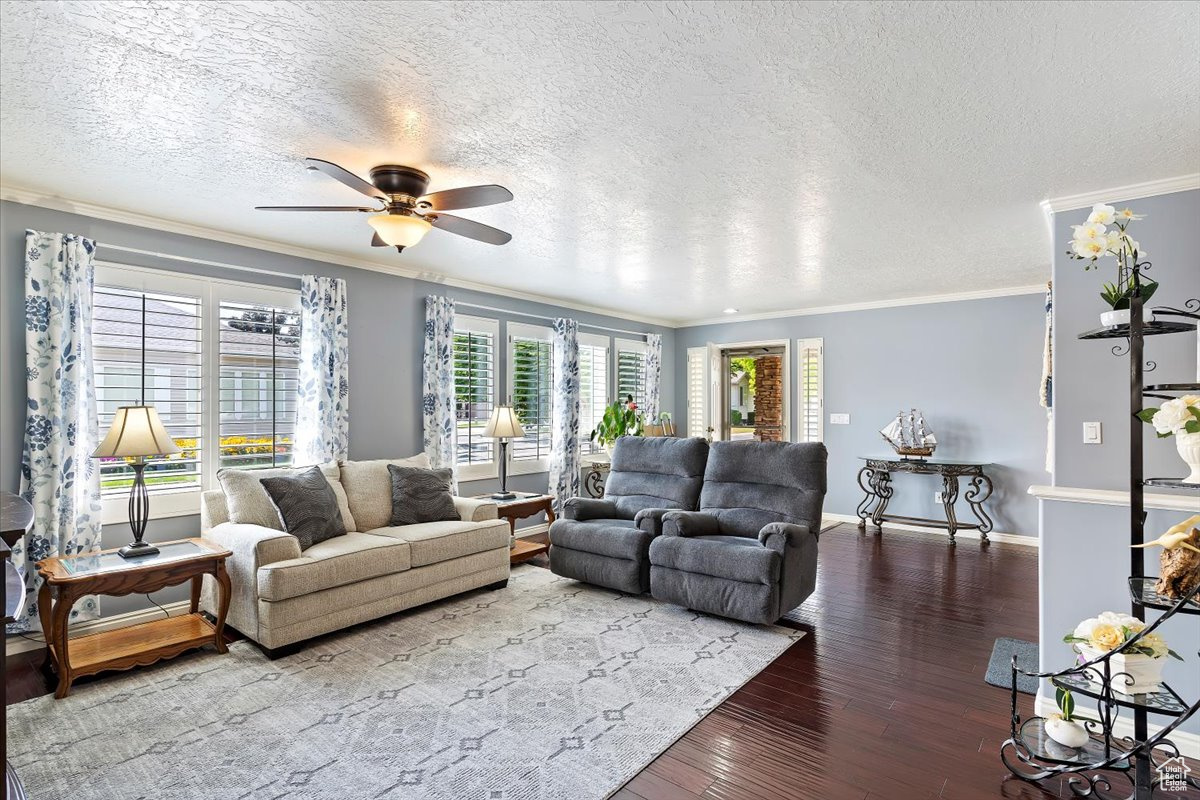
[[668, 159]]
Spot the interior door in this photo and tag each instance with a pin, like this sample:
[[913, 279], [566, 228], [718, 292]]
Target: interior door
[[701, 386]]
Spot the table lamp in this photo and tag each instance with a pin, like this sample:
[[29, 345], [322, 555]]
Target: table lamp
[[136, 433], [503, 425]]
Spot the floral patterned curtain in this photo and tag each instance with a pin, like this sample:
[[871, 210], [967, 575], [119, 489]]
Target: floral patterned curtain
[[323, 391], [653, 377], [58, 476], [437, 400], [564, 412]]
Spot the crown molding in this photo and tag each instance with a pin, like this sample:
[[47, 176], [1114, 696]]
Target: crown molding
[[1134, 191], [952, 297], [30, 197]]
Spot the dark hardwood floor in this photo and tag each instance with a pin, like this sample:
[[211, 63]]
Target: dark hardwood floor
[[884, 699]]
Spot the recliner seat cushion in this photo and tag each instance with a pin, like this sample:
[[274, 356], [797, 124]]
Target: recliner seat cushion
[[717, 557], [334, 562], [432, 542], [655, 472], [614, 538]]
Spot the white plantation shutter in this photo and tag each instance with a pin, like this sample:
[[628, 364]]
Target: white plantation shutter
[[529, 377], [631, 370], [593, 386], [697, 392], [475, 392], [810, 356]]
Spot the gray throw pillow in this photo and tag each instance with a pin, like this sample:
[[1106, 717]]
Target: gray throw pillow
[[307, 506], [421, 495]]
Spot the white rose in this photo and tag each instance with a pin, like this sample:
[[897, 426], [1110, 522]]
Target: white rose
[[1172, 416], [1102, 214], [1084, 629]]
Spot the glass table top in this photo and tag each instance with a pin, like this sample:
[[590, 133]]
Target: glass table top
[[94, 563], [960, 462]]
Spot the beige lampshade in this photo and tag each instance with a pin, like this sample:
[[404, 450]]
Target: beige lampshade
[[503, 424], [136, 431]]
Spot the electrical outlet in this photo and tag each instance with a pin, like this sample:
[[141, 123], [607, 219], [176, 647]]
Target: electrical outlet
[[1093, 433], [839, 419], [938, 497]]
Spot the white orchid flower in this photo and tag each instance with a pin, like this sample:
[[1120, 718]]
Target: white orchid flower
[[1127, 215], [1102, 214], [1091, 248], [1116, 241], [1087, 231]]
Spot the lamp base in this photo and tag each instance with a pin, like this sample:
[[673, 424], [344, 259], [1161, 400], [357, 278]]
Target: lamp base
[[138, 550], [504, 496]]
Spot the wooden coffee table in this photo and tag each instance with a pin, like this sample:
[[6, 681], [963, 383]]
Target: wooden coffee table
[[522, 507], [65, 579]]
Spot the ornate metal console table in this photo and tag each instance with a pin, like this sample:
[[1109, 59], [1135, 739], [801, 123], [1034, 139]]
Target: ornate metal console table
[[875, 478]]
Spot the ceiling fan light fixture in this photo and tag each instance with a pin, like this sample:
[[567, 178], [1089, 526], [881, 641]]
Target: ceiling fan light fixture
[[400, 230]]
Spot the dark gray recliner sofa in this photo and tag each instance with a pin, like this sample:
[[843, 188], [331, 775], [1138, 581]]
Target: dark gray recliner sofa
[[607, 542], [750, 552]]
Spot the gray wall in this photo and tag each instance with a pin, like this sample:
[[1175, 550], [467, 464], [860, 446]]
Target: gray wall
[[1084, 547], [972, 366], [386, 335]]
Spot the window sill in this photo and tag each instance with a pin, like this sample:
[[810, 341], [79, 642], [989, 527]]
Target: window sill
[[478, 472], [175, 503], [532, 467]]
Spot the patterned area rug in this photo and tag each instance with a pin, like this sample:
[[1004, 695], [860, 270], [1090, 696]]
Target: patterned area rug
[[544, 690]]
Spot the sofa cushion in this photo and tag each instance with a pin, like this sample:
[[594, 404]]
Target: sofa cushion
[[334, 562], [432, 542], [249, 504], [656, 472], [307, 506], [369, 488], [614, 538], [421, 495]]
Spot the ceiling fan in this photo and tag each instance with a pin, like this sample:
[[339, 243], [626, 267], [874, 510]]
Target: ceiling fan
[[407, 213]]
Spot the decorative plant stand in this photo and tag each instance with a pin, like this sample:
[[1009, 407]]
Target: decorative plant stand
[[1029, 753]]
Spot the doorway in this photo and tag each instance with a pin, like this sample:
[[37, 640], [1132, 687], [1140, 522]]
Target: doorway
[[753, 395]]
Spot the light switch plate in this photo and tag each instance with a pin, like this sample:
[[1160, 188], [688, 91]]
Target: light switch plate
[[839, 419], [1092, 433]]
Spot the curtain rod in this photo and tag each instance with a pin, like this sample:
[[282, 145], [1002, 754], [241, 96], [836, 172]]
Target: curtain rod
[[277, 274], [204, 261], [543, 318]]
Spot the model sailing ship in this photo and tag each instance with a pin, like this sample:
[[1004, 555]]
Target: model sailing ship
[[909, 436]]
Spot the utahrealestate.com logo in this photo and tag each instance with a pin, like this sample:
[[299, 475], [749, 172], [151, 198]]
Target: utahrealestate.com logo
[[1173, 775]]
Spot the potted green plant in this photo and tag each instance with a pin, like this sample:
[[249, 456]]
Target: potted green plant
[[1094, 240], [621, 418]]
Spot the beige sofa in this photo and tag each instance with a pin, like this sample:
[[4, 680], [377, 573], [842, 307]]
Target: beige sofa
[[282, 595]]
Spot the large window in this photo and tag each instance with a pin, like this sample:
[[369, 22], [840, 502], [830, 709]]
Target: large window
[[474, 393], [146, 351], [217, 359], [529, 378], [631, 370], [593, 387], [258, 357]]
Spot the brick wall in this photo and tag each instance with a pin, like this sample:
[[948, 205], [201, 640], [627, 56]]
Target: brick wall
[[768, 398]]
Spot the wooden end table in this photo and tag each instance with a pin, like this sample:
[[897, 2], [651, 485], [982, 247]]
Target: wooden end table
[[65, 579], [522, 507]]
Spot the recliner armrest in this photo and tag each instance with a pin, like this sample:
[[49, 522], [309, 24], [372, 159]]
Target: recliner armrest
[[778, 535], [689, 523], [475, 510], [650, 519], [581, 508]]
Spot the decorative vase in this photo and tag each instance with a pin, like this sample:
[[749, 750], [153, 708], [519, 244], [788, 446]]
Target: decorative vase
[[1130, 673], [1188, 445], [1066, 732], [1111, 319]]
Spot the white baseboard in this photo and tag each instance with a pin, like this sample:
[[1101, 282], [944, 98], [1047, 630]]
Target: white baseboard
[[1188, 743], [995, 536], [20, 644]]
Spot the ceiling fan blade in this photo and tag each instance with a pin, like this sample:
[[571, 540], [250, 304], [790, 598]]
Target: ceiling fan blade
[[468, 197], [471, 229], [315, 208], [345, 176], [377, 241]]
